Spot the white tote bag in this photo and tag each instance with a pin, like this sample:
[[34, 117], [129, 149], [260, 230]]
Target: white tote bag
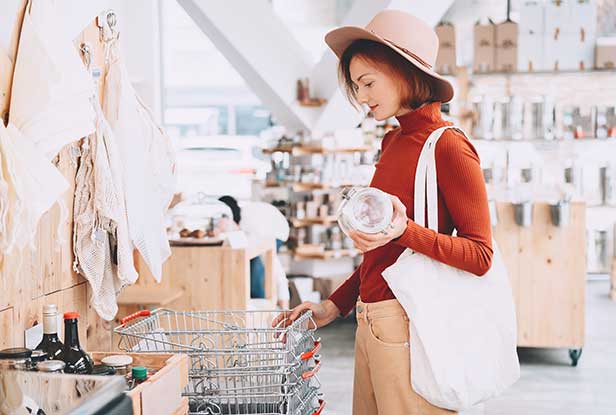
[[463, 327]]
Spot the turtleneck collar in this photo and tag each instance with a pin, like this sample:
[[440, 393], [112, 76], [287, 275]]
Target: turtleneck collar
[[419, 119]]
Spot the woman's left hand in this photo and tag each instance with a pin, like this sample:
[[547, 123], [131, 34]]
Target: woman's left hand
[[365, 242]]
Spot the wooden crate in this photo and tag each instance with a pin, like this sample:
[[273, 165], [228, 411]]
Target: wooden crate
[[161, 394]]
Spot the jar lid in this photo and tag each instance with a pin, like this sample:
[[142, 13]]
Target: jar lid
[[117, 360], [15, 353], [139, 372], [38, 355], [51, 366]]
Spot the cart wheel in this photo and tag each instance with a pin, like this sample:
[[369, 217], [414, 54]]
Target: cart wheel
[[575, 355]]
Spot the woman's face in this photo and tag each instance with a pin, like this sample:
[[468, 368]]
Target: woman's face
[[376, 88]]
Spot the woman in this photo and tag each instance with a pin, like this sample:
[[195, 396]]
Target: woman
[[388, 66], [257, 267]]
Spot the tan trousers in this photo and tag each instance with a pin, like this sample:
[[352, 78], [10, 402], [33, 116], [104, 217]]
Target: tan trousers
[[382, 383]]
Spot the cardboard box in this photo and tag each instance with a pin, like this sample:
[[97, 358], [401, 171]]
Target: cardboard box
[[446, 58], [557, 18], [484, 51], [531, 49], [507, 47], [532, 18], [605, 53]]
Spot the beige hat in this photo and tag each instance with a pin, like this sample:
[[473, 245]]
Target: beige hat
[[404, 33]]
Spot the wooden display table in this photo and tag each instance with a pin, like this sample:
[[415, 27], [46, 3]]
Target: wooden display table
[[547, 270], [202, 278]]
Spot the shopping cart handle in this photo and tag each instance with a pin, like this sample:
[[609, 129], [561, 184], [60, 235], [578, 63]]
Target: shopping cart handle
[[141, 313], [310, 354], [321, 407], [311, 373]]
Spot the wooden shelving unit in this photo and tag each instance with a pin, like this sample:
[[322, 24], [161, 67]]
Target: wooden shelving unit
[[328, 220], [308, 150], [342, 253]]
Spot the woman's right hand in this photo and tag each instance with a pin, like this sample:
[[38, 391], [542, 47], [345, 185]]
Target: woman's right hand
[[322, 314]]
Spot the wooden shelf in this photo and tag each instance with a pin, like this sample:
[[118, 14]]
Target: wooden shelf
[[306, 150], [155, 296], [328, 220], [342, 253], [542, 73]]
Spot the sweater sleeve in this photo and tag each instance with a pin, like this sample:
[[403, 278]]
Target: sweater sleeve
[[347, 294], [460, 182]]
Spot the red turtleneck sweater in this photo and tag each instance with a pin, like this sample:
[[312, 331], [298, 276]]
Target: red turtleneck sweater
[[463, 205]]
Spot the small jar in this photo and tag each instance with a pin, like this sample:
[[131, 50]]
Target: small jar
[[17, 358], [367, 210], [51, 366], [120, 362]]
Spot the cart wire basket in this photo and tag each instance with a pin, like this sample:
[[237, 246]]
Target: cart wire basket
[[240, 364]]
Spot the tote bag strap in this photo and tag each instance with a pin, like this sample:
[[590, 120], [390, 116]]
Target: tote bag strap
[[426, 186]]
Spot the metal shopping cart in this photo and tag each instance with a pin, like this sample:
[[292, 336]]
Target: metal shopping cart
[[239, 363]]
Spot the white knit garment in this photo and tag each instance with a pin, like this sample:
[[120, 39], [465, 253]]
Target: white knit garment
[[103, 252], [148, 165]]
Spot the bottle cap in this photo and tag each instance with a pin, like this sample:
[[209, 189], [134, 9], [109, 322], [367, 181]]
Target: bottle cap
[[139, 372], [50, 309], [71, 315]]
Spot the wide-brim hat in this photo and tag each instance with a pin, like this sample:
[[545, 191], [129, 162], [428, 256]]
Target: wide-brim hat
[[404, 33]]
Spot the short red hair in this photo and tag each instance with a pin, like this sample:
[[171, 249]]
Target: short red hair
[[416, 87]]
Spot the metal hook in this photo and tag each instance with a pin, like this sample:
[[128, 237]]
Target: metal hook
[[86, 50]]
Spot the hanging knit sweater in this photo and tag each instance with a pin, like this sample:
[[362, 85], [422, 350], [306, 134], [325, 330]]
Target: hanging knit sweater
[[462, 205]]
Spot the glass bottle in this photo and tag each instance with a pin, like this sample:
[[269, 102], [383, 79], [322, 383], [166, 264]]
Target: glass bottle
[[139, 374], [51, 343], [77, 361]]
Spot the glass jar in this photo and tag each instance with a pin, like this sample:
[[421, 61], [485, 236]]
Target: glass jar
[[51, 366], [17, 358], [120, 362], [365, 209]]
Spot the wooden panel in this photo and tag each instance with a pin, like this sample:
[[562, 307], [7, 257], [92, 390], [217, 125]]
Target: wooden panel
[[547, 268], [162, 392], [98, 331], [6, 328]]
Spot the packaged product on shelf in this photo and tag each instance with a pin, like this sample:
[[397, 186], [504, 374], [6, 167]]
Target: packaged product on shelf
[[607, 175], [446, 58], [506, 59], [367, 210], [539, 118], [606, 121], [578, 122], [532, 15], [531, 53], [483, 122], [484, 47], [605, 53]]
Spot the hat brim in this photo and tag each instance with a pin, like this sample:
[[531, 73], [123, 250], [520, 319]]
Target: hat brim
[[341, 38]]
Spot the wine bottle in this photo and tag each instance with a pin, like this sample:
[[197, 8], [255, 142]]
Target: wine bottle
[[51, 343]]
